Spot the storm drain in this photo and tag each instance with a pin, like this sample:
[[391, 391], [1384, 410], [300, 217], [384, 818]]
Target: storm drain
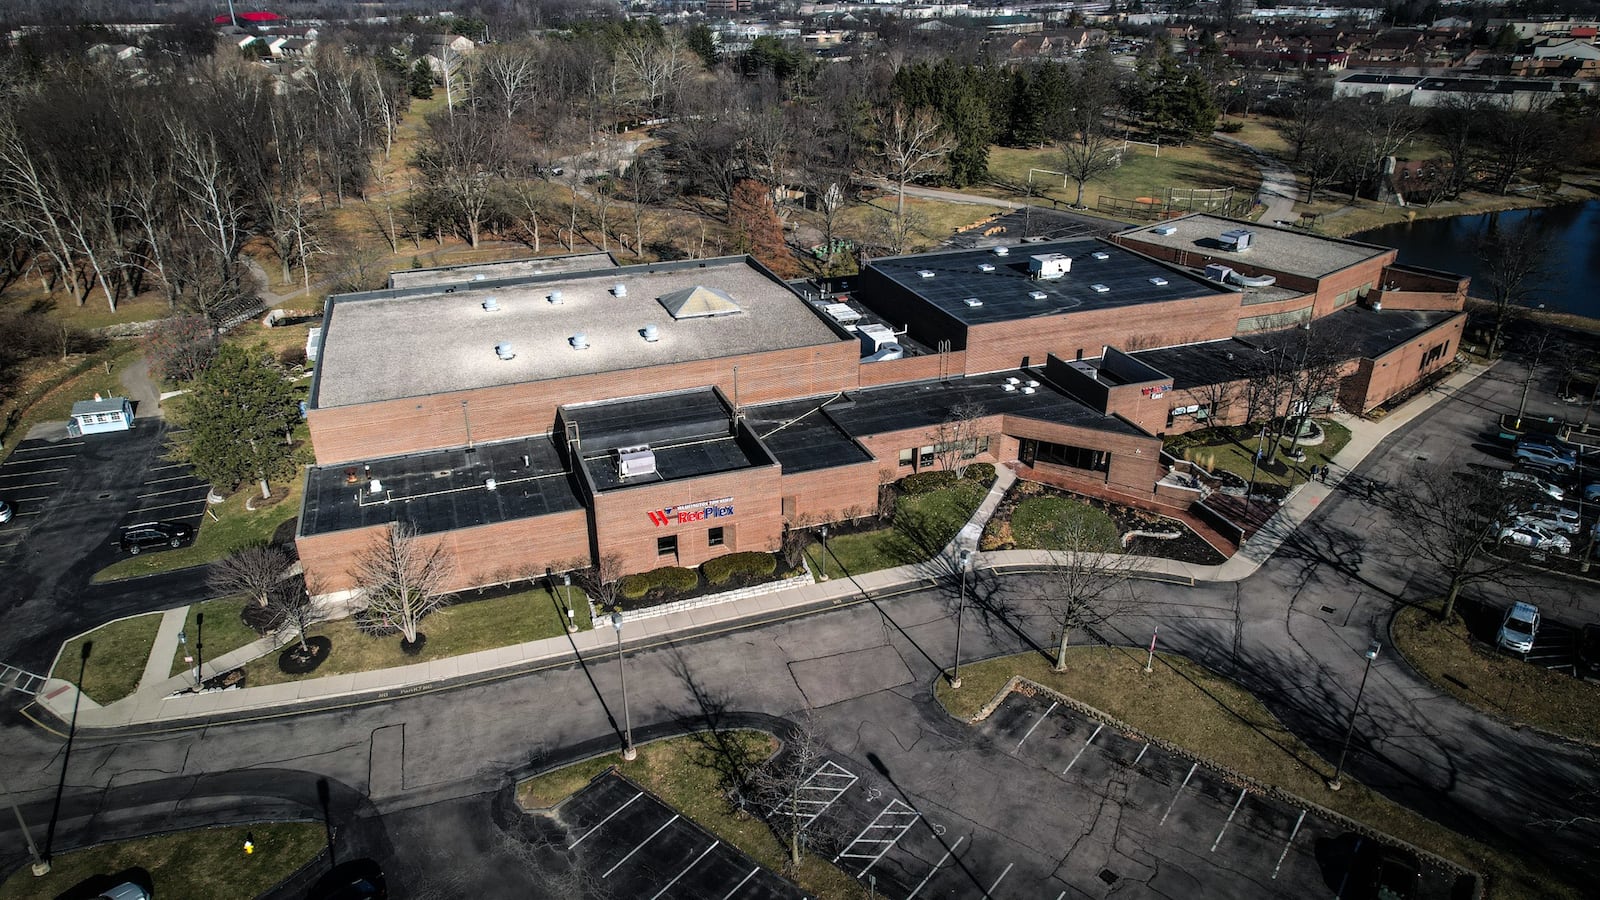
[[1330, 609], [1108, 876], [105, 496]]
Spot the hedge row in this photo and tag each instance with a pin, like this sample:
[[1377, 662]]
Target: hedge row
[[982, 473], [672, 578], [927, 482], [722, 569]]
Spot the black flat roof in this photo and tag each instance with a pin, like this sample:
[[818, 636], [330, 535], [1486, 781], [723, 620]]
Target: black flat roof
[[1193, 365], [925, 404], [689, 432], [441, 490], [1005, 291], [803, 436]]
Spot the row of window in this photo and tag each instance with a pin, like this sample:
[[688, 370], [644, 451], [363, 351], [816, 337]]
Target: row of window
[[1274, 321], [924, 457], [100, 418], [1434, 354], [668, 545]]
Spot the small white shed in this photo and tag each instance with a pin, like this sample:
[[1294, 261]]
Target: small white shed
[[100, 415]]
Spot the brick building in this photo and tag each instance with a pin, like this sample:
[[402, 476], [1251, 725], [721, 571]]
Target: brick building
[[546, 413]]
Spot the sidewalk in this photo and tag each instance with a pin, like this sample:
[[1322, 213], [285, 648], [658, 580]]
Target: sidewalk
[[153, 703]]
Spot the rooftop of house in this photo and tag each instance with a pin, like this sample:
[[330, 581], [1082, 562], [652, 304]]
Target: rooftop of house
[[1278, 249], [979, 286], [386, 345]]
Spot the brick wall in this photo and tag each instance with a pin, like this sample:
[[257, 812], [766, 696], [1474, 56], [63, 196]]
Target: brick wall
[[1002, 346], [386, 428], [1379, 379], [826, 494], [912, 368], [624, 527], [1135, 460]]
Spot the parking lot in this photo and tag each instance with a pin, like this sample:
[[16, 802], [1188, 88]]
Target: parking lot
[[30, 480], [633, 845], [170, 492], [1106, 814]]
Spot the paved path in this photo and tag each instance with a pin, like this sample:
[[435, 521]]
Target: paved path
[[1278, 185], [154, 702]]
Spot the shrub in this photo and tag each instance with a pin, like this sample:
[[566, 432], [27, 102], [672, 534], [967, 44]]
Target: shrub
[[666, 578], [982, 473], [292, 357], [1231, 127], [181, 349], [926, 482], [736, 565]]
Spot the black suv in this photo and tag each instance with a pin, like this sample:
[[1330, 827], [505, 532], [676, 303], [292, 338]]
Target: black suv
[[154, 534]]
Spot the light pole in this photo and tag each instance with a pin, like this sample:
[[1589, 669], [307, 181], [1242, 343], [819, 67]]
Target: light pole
[[963, 565], [199, 652], [40, 867], [66, 757], [628, 751], [1338, 770], [1261, 440], [823, 529], [566, 599]]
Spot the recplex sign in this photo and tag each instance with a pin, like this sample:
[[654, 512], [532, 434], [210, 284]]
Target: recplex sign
[[692, 512]]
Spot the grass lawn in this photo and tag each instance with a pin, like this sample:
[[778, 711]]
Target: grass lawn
[[687, 774], [116, 661], [932, 220], [1043, 523], [225, 631], [1207, 714], [234, 527], [1231, 449], [1261, 132], [98, 314], [1497, 683], [455, 630], [102, 373], [1203, 164], [923, 524], [201, 864]]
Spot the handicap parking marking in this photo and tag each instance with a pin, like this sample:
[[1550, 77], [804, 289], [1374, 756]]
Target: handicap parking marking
[[586, 834], [936, 866], [900, 817], [1037, 722], [818, 792], [1286, 844], [640, 846], [1178, 794], [1231, 814], [1085, 746]]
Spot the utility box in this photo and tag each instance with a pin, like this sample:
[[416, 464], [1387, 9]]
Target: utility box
[[875, 337], [1049, 265], [632, 462], [1238, 239]]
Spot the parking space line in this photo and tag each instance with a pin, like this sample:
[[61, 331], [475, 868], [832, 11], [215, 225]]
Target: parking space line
[[818, 792], [1230, 820], [714, 845], [144, 509], [159, 493], [1083, 748], [1141, 754], [50, 447], [741, 883], [998, 880], [1286, 844], [606, 819], [21, 487], [641, 845], [32, 499], [172, 478], [1177, 795], [942, 860], [168, 466], [33, 512], [895, 809], [1036, 723], [33, 472]]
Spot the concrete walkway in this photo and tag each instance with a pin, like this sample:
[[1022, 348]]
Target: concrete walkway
[[1278, 184], [154, 702]]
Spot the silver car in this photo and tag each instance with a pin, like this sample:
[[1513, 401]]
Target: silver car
[[1535, 538], [1522, 481], [1519, 628], [1552, 517]]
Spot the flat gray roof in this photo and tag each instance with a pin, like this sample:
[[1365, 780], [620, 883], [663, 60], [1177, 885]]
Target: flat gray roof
[[506, 268], [391, 344], [1280, 249]]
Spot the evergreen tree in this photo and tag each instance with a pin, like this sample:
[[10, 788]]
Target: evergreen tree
[[757, 230], [239, 420], [421, 86]]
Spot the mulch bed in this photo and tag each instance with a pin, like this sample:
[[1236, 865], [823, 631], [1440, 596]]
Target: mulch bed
[[1189, 548], [296, 661]]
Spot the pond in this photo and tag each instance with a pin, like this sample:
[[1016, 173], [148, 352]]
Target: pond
[[1573, 261]]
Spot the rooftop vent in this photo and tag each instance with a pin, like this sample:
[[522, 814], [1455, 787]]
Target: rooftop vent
[[374, 486], [490, 484], [1001, 251], [579, 341], [1029, 390], [1238, 239], [635, 461], [650, 334], [555, 298], [1049, 265], [1158, 281], [619, 290], [491, 304], [1032, 383], [505, 351], [1164, 230], [924, 273], [1099, 288], [1008, 387], [973, 302], [1100, 254], [1013, 381], [1037, 295], [985, 267], [478, 277]]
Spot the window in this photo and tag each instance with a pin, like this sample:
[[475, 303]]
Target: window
[[1073, 457], [907, 457], [1274, 321], [667, 546], [1433, 355], [924, 457], [714, 537]]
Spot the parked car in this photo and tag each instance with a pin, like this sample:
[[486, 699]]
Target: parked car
[[1553, 517], [1591, 492], [1522, 481], [124, 891], [1525, 534], [154, 534], [5, 512], [1546, 456], [1519, 627]]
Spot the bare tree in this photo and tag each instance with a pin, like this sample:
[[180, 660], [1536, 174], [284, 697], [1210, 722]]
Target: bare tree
[[1448, 520], [601, 581], [296, 608], [505, 76], [402, 578], [1511, 262], [958, 438], [1088, 153], [255, 571], [784, 789], [1089, 582], [910, 143]]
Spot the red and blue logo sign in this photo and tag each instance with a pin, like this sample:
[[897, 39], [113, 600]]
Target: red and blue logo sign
[[692, 512]]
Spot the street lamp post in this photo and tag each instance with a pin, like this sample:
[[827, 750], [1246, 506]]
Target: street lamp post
[[823, 529], [566, 599], [40, 867], [66, 757], [199, 652], [1338, 770], [1261, 440], [963, 565], [628, 751]]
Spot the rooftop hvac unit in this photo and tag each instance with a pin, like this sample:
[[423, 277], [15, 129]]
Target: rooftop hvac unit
[[875, 337], [1049, 265], [985, 267], [1013, 381], [843, 313], [555, 298], [1037, 295], [1008, 387], [1164, 230], [635, 461], [505, 351], [1099, 288], [1100, 254], [1029, 390], [579, 341], [490, 304], [1218, 272], [619, 290], [375, 486], [1238, 239], [650, 333], [1001, 251], [924, 273], [1158, 281], [973, 302]]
